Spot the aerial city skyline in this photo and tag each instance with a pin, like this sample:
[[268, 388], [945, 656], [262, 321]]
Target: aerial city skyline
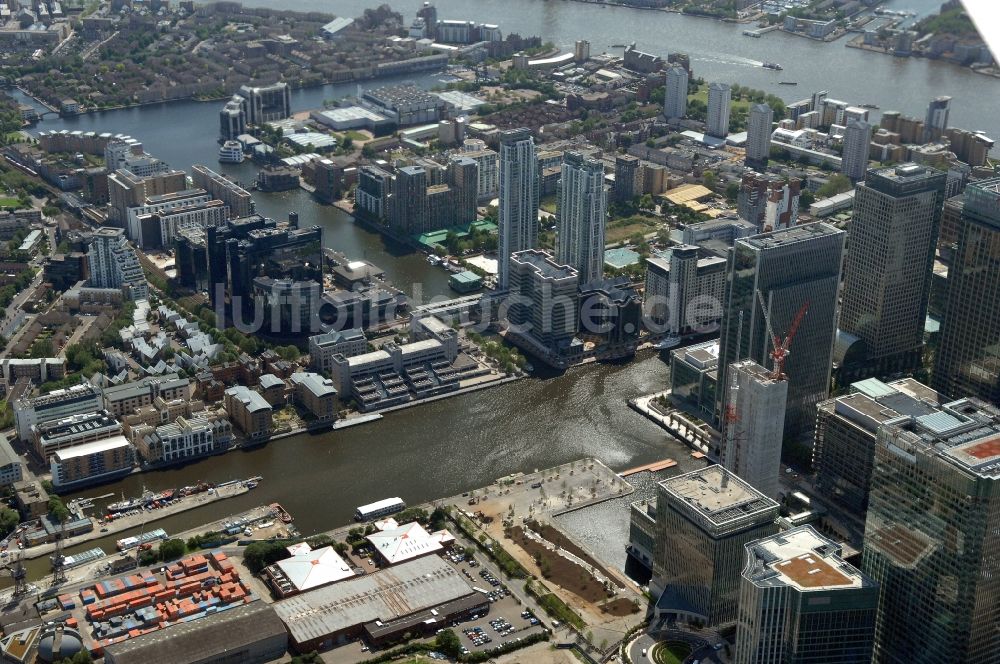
[[656, 331]]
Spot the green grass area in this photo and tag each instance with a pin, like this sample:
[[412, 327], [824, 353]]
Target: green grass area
[[9, 202], [356, 135], [548, 204], [620, 230], [671, 652], [736, 104]]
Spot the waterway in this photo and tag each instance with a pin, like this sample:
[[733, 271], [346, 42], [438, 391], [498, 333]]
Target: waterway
[[429, 451], [450, 446]]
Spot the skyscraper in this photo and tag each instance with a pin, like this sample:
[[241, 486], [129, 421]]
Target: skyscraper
[[409, 200], [703, 520], [626, 176], [936, 120], [759, 135], [675, 94], [894, 230], [968, 360], [266, 103], [580, 216], [518, 198], [801, 602], [546, 311], [857, 142], [113, 263], [931, 536], [753, 424], [463, 178], [718, 110], [790, 269]]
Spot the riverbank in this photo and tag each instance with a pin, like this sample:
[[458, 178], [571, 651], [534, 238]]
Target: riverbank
[[859, 44], [121, 524]]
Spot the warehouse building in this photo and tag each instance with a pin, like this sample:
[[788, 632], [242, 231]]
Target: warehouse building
[[419, 596], [248, 634]]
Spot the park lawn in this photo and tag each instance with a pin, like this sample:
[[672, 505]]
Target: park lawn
[[548, 204], [702, 95], [620, 230], [9, 202], [672, 652]]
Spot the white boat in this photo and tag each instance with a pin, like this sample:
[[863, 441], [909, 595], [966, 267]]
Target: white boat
[[667, 342], [231, 152]]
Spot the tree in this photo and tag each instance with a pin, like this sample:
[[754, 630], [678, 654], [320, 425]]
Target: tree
[[449, 643], [8, 520], [172, 549], [709, 179], [732, 191], [57, 510], [259, 555], [837, 184], [309, 658]]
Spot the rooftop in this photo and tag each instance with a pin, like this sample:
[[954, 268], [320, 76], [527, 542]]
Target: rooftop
[[398, 543], [718, 495], [800, 558], [251, 400], [792, 234], [95, 447], [203, 639], [338, 336], [544, 264], [312, 569], [315, 383], [384, 595]]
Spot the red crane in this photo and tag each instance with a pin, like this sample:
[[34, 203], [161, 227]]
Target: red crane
[[780, 351]]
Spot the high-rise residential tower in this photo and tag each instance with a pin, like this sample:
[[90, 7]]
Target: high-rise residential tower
[[718, 110], [753, 424], [759, 135], [768, 201], [937, 118], [626, 178], [675, 94], [931, 536], [113, 263], [703, 520], [582, 205], [518, 198], [894, 230], [801, 602], [968, 358], [789, 269], [857, 140]]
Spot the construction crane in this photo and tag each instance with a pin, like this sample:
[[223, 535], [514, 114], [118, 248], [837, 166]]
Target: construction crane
[[779, 352], [19, 575], [59, 559]]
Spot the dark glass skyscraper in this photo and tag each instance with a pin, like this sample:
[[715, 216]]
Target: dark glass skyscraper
[[790, 268], [968, 360]]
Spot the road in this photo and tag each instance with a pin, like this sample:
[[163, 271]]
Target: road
[[701, 644]]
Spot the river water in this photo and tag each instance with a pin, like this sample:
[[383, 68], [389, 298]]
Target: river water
[[450, 446]]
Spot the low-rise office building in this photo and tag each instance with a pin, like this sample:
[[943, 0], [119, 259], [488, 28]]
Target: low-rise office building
[[186, 438], [54, 435], [272, 389], [317, 395], [29, 411], [97, 461], [249, 412], [322, 347], [123, 399], [11, 466], [37, 370], [306, 570]]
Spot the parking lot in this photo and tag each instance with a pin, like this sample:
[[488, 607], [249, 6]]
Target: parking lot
[[506, 622]]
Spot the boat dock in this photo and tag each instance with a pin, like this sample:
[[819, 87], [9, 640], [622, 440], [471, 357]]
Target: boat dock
[[654, 467], [140, 517]]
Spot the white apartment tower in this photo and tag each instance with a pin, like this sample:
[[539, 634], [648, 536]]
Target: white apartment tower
[[518, 197], [113, 263], [675, 93], [857, 141], [718, 110], [759, 135], [581, 211]]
